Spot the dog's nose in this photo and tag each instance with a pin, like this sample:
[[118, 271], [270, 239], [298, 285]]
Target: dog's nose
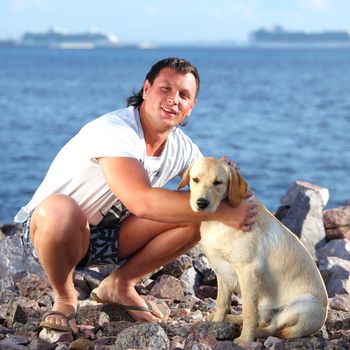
[[202, 203]]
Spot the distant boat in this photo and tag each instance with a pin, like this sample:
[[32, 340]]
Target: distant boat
[[7, 43], [282, 38], [61, 40], [147, 45]]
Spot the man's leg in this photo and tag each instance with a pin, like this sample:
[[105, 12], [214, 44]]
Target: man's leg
[[60, 234], [148, 245]]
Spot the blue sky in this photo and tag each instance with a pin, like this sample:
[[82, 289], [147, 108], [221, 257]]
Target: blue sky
[[177, 21]]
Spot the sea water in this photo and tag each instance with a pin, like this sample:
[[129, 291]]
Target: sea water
[[282, 114]]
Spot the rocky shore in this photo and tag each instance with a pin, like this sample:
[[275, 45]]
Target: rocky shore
[[188, 285]]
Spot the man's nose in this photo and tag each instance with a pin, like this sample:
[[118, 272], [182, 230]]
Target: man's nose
[[173, 99]]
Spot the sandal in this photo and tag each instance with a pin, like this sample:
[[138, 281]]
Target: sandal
[[54, 326]]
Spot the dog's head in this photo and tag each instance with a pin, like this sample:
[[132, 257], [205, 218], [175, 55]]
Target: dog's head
[[212, 180]]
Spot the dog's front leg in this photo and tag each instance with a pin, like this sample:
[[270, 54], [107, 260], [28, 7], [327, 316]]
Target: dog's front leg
[[250, 284], [223, 301]]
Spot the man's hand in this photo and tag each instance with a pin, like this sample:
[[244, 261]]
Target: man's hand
[[241, 217]]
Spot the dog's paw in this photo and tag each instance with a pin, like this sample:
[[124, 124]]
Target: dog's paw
[[243, 341], [210, 317], [215, 317]]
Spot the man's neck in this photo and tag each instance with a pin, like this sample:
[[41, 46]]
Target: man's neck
[[155, 140]]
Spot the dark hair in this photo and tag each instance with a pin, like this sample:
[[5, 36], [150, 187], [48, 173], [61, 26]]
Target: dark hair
[[178, 64]]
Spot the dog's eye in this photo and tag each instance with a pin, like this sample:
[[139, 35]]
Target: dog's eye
[[217, 182], [195, 179]]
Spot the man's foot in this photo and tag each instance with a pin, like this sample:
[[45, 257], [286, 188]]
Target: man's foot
[[140, 309], [60, 318]]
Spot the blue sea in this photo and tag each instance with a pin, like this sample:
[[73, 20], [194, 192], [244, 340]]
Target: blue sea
[[282, 114]]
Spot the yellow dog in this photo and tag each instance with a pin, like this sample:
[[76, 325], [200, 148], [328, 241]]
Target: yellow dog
[[282, 291]]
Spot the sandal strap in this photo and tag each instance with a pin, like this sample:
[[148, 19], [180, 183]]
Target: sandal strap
[[58, 313], [147, 308]]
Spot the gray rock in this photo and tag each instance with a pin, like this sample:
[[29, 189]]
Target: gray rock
[[62, 346], [337, 217], [305, 219], [16, 313], [168, 287], [14, 259], [224, 345], [40, 344], [81, 344], [52, 336], [204, 292], [195, 252], [105, 343], [336, 274], [200, 341], [190, 280], [340, 302], [33, 286], [270, 341], [203, 267], [9, 230], [177, 267], [339, 248], [337, 320], [300, 186], [201, 264], [338, 232], [9, 344], [219, 330], [150, 336], [19, 339]]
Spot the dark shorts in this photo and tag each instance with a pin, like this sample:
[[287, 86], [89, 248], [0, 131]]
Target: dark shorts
[[103, 247]]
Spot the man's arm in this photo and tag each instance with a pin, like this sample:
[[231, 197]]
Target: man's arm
[[129, 182]]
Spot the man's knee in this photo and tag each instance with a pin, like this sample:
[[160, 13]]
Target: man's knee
[[58, 217]]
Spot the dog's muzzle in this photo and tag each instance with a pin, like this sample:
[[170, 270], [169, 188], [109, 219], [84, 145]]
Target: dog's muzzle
[[202, 203]]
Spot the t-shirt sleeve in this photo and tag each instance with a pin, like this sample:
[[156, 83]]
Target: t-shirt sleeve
[[112, 140]]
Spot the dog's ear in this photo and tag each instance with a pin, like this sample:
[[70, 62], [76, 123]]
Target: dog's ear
[[237, 187], [185, 180]]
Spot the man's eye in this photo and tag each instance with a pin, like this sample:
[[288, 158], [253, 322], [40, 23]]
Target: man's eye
[[217, 182], [195, 179]]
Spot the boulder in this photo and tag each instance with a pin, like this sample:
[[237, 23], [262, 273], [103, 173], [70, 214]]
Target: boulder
[[15, 259], [337, 222], [302, 186], [168, 287], [303, 213], [336, 274], [142, 336], [337, 247]]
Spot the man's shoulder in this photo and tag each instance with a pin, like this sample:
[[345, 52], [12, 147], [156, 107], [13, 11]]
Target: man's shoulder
[[125, 118]]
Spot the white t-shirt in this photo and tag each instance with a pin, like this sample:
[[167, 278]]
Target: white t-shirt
[[76, 172]]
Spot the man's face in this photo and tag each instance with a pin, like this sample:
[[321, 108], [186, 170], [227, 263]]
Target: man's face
[[171, 97]]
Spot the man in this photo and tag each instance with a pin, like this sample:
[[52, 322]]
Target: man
[[103, 189]]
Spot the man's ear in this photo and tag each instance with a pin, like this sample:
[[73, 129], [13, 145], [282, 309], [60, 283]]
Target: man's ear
[[194, 103], [237, 187], [146, 86], [185, 178]]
